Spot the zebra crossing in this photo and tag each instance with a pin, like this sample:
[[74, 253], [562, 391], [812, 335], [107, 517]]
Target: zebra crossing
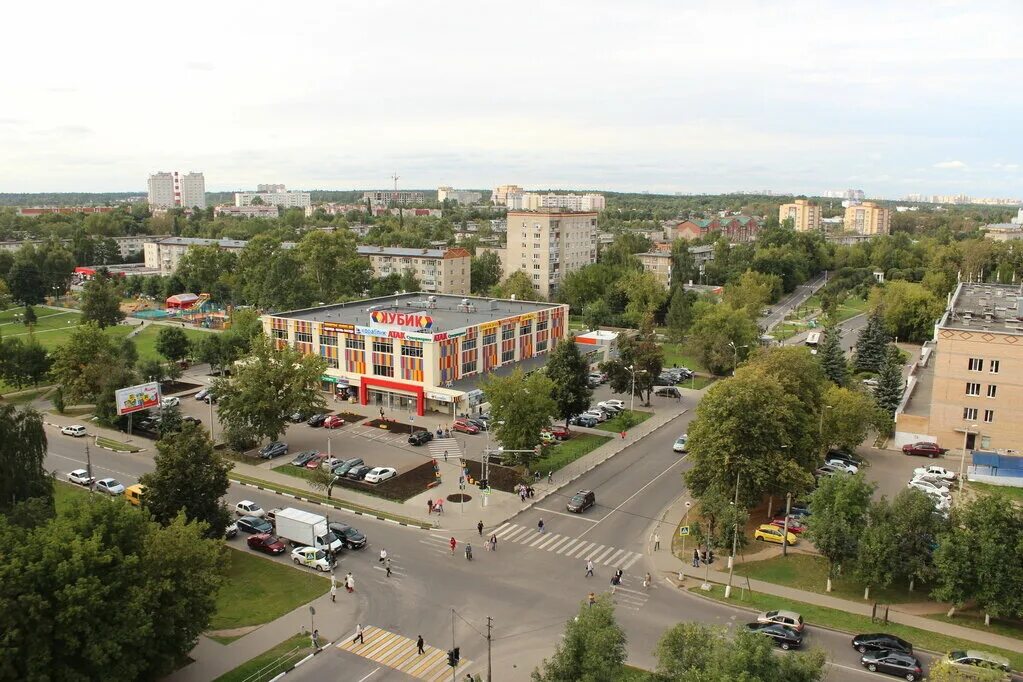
[[439, 446], [400, 653]]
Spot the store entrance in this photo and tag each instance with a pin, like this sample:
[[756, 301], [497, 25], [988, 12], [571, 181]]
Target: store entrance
[[391, 401]]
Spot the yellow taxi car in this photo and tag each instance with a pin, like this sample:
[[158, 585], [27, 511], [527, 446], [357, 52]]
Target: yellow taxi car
[[769, 533]]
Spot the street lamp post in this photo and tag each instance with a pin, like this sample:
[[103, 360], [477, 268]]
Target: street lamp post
[[735, 355], [962, 460], [820, 427], [735, 538]]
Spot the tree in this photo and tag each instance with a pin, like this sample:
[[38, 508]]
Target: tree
[[890, 384], [84, 364], [59, 580], [5, 293], [680, 313], [409, 281], [645, 295], [752, 292], [916, 524], [878, 549], [517, 285], [22, 455], [270, 385], [908, 309], [832, 357], [170, 421], [640, 361], [840, 506], [848, 417], [871, 344], [720, 336], [592, 648], [190, 477], [101, 301], [30, 317], [151, 369], [569, 372], [484, 272], [525, 404], [172, 343], [25, 279]]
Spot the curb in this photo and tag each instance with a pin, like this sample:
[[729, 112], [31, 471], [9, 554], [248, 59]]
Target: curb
[[97, 445], [308, 657], [332, 506]]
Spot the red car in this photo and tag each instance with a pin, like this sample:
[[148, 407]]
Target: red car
[[794, 525], [560, 432], [924, 448], [333, 422], [464, 426], [315, 462], [265, 542]]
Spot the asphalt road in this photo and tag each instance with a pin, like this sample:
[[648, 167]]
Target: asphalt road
[[790, 302]]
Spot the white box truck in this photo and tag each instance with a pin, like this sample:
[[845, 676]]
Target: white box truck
[[305, 529]]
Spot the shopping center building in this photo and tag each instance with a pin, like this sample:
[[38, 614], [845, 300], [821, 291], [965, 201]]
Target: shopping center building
[[419, 351]]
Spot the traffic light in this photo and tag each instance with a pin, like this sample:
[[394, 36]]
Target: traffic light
[[453, 657], [483, 484]]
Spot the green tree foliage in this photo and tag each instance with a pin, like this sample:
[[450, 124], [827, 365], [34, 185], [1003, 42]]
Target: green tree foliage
[[645, 356], [871, 344], [645, 297], [890, 384], [23, 363], [30, 317], [591, 650], [713, 333], [878, 550], [517, 285], [332, 266], [524, 403], [208, 269], [915, 525], [752, 291], [26, 282], [848, 419], [271, 384], [5, 293], [22, 456], [591, 284], [84, 593], [172, 343], [832, 357], [568, 370], [85, 363], [190, 477], [977, 557], [484, 272], [908, 309], [840, 506], [101, 301], [680, 313]]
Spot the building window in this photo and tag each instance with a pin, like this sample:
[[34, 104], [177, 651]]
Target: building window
[[992, 391], [994, 367], [526, 329], [328, 339], [412, 351], [356, 342], [331, 362], [970, 413], [469, 367], [507, 333], [508, 355], [541, 324], [490, 337], [303, 337], [985, 442], [989, 416], [541, 346], [976, 365], [281, 334], [383, 346], [383, 370], [972, 389], [469, 344]]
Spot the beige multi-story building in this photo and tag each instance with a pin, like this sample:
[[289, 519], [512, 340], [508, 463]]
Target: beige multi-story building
[[439, 271], [500, 194], [248, 211], [280, 196], [459, 196], [659, 263], [388, 197], [971, 391], [531, 201], [164, 254], [174, 190], [806, 216], [868, 218], [549, 244]]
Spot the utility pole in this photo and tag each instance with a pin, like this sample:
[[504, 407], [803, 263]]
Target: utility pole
[[490, 624], [785, 530], [735, 538], [88, 465]]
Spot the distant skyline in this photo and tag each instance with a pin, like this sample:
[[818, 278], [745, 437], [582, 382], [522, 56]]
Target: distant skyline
[[894, 98]]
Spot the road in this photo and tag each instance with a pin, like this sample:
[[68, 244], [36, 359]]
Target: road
[[792, 301]]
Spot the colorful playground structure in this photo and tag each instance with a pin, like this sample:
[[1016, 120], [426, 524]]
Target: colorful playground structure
[[188, 308]]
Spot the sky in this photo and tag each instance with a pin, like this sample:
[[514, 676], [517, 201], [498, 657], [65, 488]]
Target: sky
[[676, 96]]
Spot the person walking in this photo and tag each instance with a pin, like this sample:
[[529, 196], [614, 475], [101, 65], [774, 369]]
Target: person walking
[[550, 477], [350, 582], [623, 435], [646, 581], [592, 599], [315, 638], [479, 528], [657, 542], [383, 555], [420, 646], [333, 592], [445, 455], [589, 568], [358, 635], [387, 566], [468, 551], [539, 526], [696, 558], [452, 543], [493, 542], [381, 413], [429, 507]]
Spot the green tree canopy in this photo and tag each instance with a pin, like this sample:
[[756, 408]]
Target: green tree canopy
[[524, 403], [569, 372], [484, 272], [101, 301], [172, 343], [517, 285], [720, 335], [85, 364], [832, 357], [871, 344], [752, 291], [890, 384], [22, 456], [591, 650], [640, 361], [840, 506], [908, 309], [848, 416]]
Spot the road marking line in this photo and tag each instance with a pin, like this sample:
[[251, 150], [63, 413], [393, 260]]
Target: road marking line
[[508, 528], [369, 676], [584, 548], [540, 538], [518, 535], [597, 552], [559, 542], [634, 559], [566, 547], [611, 561], [621, 560], [578, 517], [650, 483], [599, 558], [439, 537], [500, 528], [550, 538]]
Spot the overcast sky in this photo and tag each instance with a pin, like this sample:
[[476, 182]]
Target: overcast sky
[[690, 96]]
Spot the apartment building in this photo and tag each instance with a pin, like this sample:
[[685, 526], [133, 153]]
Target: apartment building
[[805, 215], [439, 271], [250, 211], [531, 201], [500, 194], [659, 263], [868, 218], [126, 246], [174, 190], [464, 197], [550, 243], [279, 196], [387, 197], [738, 229], [164, 254]]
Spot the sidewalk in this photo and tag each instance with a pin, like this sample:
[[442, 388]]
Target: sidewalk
[[667, 564]]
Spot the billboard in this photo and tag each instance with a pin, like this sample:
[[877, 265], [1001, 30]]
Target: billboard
[[137, 398]]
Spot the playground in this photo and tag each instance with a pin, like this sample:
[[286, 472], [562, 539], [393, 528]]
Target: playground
[[191, 309]]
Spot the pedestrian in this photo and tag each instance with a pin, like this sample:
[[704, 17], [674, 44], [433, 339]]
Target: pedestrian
[[696, 558], [420, 646], [315, 637], [539, 526], [550, 477], [522, 493], [529, 492], [381, 413], [592, 599], [657, 542], [623, 435], [493, 543], [589, 568], [333, 592], [350, 582], [479, 527], [333, 578], [646, 581], [429, 507], [383, 555], [445, 455], [536, 475], [452, 543], [358, 635], [615, 581], [387, 566]]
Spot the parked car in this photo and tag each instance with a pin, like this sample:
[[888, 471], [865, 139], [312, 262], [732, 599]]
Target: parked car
[[110, 486], [296, 417], [464, 426], [312, 557], [315, 461], [329, 463], [783, 617], [267, 543], [274, 449], [598, 415], [358, 472], [597, 377], [924, 448], [253, 524], [189, 419], [480, 424], [795, 524], [81, 477], [201, 395], [380, 474], [881, 642], [667, 392], [560, 432], [76, 430], [681, 443], [172, 401], [934, 472], [800, 511], [929, 487], [615, 404], [581, 501], [841, 465], [785, 637], [770, 533], [972, 659], [231, 530], [906, 666], [333, 422], [302, 458], [346, 466], [846, 457], [420, 438], [317, 419], [351, 538], [249, 508], [585, 420], [826, 470]]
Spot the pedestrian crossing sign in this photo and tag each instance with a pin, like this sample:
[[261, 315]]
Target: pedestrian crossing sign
[[683, 531]]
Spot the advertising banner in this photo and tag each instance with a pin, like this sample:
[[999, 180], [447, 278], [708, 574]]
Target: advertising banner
[[137, 398]]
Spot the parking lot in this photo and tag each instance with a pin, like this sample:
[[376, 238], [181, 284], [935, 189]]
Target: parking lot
[[891, 470]]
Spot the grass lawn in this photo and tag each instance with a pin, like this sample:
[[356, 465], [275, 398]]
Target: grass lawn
[[116, 445], [633, 674], [810, 572], [618, 423], [853, 623], [850, 307], [258, 590], [1015, 494], [271, 662], [64, 493], [26, 395], [698, 382], [145, 341], [568, 451], [975, 620], [674, 355]]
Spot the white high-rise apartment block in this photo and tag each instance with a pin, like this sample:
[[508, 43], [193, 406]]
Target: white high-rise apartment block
[[271, 188], [550, 243], [174, 190], [517, 200], [459, 196], [274, 195]]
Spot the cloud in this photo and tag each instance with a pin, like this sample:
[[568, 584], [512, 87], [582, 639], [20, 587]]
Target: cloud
[[954, 165]]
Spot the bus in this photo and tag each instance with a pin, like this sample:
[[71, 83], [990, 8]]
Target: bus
[[812, 339]]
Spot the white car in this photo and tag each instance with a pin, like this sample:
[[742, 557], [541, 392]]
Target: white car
[[380, 474], [614, 404], [934, 472], [231, 530], [929, 487], [311, 557], [110, 486], [681, 443], [81, 477], [173, 401], [75, 430], [330, 462], [842, 465], [599, 415], [249, 508]]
